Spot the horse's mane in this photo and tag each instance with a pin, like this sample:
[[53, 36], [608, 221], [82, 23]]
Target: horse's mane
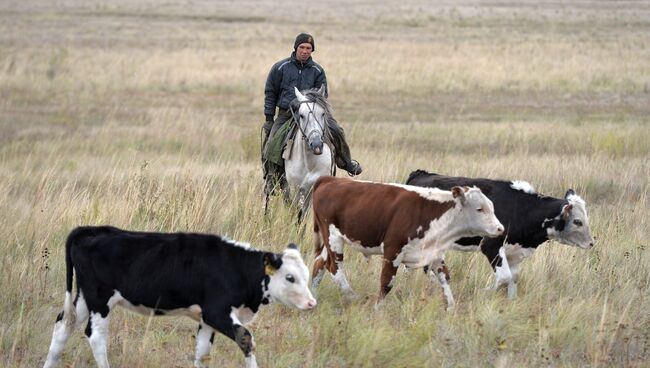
[[314, 96]]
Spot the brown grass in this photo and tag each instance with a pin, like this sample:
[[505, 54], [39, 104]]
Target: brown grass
[[146, 115]]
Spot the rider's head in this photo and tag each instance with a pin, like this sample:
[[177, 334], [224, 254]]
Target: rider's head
[[304, 46]]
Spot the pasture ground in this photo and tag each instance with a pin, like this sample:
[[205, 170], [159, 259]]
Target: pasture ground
[[145, 115]]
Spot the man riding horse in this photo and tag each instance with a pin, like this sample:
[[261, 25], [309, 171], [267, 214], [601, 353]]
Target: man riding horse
[[299, 71]]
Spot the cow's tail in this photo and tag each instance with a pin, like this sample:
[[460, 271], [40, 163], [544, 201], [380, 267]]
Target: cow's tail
[[415, 174], [318, 239], [69, 313]]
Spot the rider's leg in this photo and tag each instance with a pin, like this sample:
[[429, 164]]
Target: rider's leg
[[343, 157], [282, 118], [272, 170], [266, 130]]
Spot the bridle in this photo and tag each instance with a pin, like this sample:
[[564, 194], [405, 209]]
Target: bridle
[[306, 136]]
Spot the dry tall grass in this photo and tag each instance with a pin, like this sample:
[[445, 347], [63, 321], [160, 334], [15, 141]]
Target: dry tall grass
[[146, 115]]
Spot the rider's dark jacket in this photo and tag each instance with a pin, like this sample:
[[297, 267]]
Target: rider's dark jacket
[[284, 76]]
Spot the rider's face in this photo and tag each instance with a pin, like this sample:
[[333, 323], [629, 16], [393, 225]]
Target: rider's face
[[303, 52]]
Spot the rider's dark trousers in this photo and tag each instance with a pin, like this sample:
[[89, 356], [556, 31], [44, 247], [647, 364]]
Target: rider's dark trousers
[[342, 155]]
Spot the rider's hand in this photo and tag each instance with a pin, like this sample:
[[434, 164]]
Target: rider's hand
[[267, 126]]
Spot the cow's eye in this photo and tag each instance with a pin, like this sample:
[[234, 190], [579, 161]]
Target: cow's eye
[[291, 279], [577, 222], [480, 209]]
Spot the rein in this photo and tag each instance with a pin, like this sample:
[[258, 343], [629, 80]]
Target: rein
[[306, 136]]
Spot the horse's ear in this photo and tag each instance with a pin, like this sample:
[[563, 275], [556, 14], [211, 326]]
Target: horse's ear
[[299, 95], [322, 90]]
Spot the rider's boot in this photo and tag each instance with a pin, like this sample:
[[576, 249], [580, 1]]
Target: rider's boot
[[343, 159], [342, 156]]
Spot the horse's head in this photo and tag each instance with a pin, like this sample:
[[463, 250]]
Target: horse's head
[[311, 110]]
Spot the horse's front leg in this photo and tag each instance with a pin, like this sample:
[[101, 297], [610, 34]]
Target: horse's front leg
[[306, 199], [298, 204]]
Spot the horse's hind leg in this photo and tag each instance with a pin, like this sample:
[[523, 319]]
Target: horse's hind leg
[[305, 202], [266, 203], [286, 192]]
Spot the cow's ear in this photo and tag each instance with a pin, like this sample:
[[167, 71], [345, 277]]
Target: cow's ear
[[566, 211], [458, 192], [271, 263], [569, 192], [292, 246]]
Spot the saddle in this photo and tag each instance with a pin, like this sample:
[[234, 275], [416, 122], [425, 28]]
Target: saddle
[[278, 149]]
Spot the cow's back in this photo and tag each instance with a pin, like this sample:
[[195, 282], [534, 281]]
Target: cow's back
[[515, 208], [363, 211], [358, 209], [158, 268], [422, 178]]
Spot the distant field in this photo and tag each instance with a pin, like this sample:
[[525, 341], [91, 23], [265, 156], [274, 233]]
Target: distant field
[[146, 115]]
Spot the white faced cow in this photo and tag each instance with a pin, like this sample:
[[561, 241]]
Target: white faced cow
[[217, 282], [404, 224], [530, 219]]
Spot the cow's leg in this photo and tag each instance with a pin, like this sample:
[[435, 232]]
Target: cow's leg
[[335, 263], [73, 316], [233, 328], [99, 308], [63, 326], [97, 333], [515, 255], [388, 272], [389, 267], [204, 340], [512, 284], [438, 272], [502, 273], [338, 274], [321, 255], [493, 250], [81, 309]]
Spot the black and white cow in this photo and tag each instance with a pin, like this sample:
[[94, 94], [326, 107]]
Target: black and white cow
[[218, 282], [529, 218]]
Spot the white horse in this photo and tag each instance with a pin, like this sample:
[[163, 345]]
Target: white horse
[[308, 157]]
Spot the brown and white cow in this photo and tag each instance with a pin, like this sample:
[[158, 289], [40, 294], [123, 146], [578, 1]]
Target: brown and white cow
[[405, 224]]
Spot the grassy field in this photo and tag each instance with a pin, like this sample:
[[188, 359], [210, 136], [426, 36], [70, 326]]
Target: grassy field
[[146, 115]]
